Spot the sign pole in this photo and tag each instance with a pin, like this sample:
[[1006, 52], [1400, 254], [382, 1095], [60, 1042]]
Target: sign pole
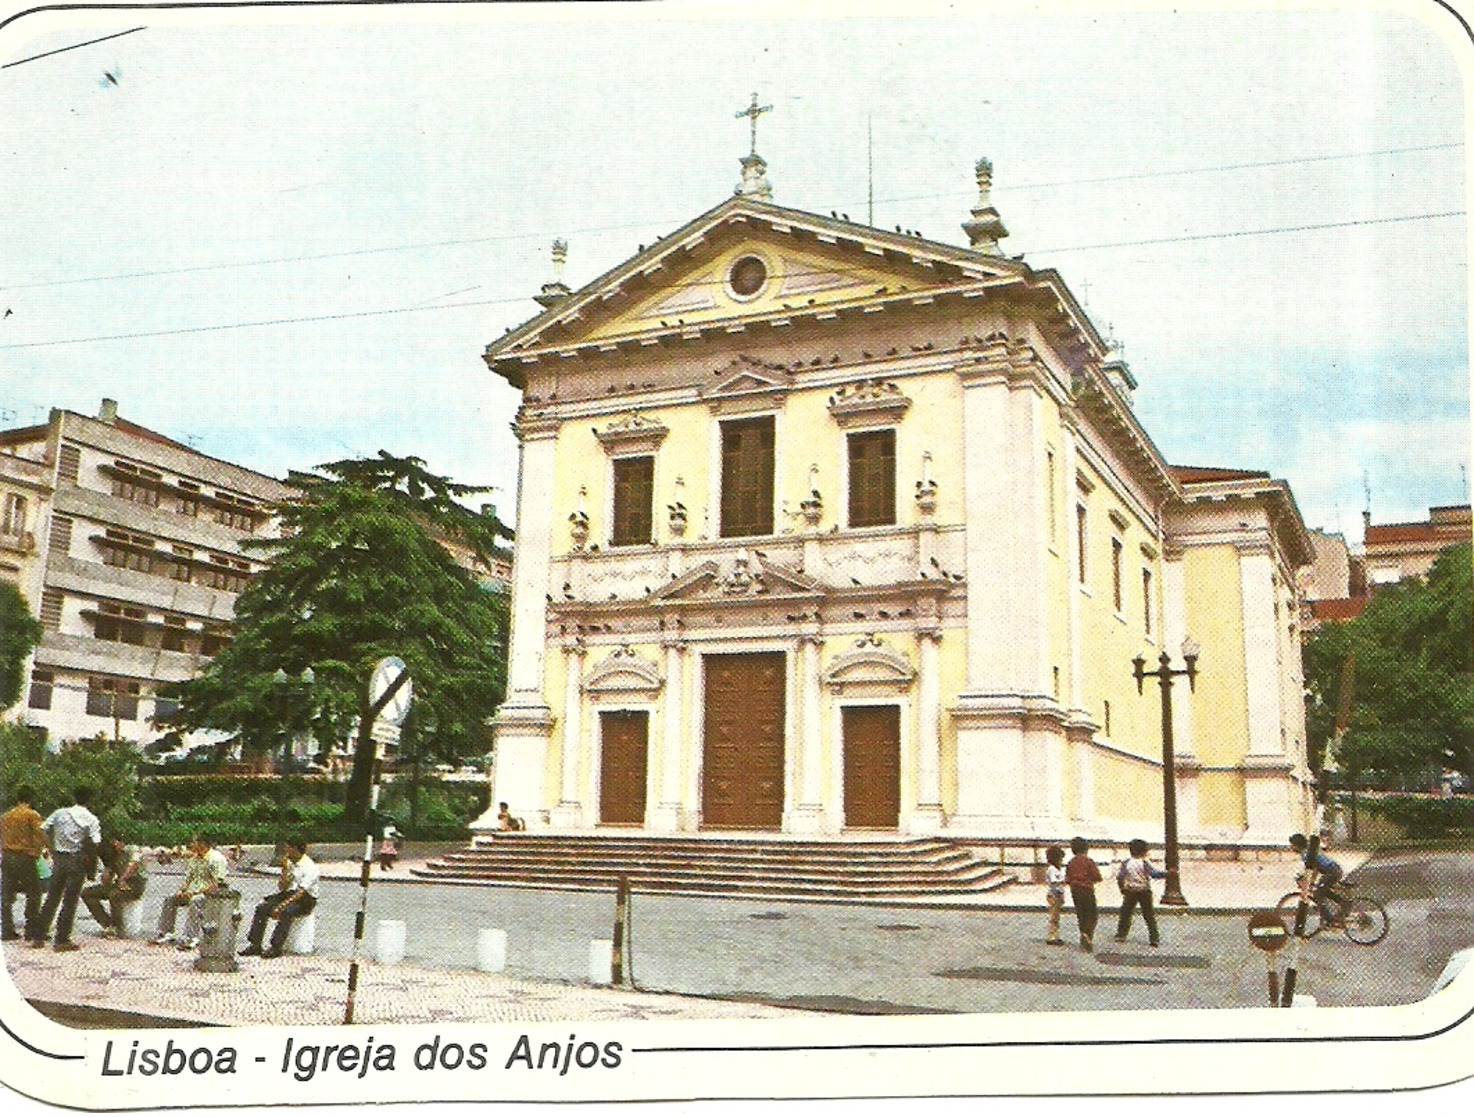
[[390, 696]]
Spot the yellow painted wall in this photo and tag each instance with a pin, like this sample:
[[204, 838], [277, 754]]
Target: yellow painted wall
[[1221, 800], [1126, 788], [1215, 619], [952, 664]]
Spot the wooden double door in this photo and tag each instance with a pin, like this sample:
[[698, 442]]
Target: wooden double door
[[624, 765], [742, 747], [872, 766]]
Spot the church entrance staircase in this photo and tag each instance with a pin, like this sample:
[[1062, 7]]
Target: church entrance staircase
[[850, 868]]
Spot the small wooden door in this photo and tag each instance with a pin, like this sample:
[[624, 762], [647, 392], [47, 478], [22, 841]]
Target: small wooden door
[[742, 747], [624, 760], [872, 766]]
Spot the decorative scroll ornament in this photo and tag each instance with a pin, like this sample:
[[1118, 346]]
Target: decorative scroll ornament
[[578, 521], [634, 434], [871, 666], [745, 579], [926, 488], [677, 510], [868, 402], [812, 506], [623, 672]]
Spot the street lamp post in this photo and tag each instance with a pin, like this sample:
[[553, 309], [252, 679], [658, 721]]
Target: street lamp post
[[283, 694], [1164, 674]]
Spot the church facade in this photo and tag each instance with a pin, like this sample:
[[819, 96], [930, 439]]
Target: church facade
[[824, 528]]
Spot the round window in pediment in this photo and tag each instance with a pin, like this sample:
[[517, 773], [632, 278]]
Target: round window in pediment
[[747, 277]]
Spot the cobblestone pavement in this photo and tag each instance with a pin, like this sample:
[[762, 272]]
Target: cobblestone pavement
[[161, 982], [735, 955]]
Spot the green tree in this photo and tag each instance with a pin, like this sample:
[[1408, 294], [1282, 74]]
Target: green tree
[[19, 633], [356, 577], [109, 768], [1414, 676]]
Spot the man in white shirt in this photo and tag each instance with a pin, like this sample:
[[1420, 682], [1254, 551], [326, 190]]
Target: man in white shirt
[[204, 875], [296, 898], [76, 836]]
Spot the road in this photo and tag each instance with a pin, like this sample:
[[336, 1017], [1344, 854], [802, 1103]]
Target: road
[[879, 960]]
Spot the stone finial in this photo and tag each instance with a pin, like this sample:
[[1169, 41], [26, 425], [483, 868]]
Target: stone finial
[[555, 291], [986, 228], [754, 182]]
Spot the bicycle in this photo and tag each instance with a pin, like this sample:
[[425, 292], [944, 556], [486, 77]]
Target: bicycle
[[1363, 919]]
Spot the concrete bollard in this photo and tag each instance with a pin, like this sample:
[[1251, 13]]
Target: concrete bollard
[[601, 962], [491, 950], [1304, 1000], [389, 941]]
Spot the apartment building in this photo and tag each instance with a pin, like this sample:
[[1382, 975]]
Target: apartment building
[[136, 558]]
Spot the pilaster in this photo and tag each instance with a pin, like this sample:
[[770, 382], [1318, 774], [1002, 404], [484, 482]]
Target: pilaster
[[569, 813], [665, 817], [807, 816], [927, 817]]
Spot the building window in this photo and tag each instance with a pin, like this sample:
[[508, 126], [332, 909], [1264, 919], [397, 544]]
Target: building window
[[634, 501], [214, 641], [223, 573], [14, 520], [52, 601], [136, 484], [121, 624], [872, 478], [179, 565], [1081, 541], [112, 698], [69, 464], [165, 708], [187, 500], [61, 535], [1146, 601], [1052, 482], [235, 512], [747, 477], [176, 635], [41, 683], [1117, 552]]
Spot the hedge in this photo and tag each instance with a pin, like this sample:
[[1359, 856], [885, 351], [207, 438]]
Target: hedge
[[1420, 817]]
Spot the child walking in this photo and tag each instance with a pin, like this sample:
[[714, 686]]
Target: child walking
[[1054, 897], [1135, 878], [1082, 875]]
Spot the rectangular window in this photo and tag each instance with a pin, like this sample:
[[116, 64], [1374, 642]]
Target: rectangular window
[[1107, 719], [112, 698], [1117, 552], [747, 477], [872, 478], [1146, 601], [187, 501], [634, 501], [14, 521], [214, 641], [41, 683], [1081, 539], [165, 707], [120, 624], [141, 486], [1053, 501], [61, 535], [51, 606], [176, 635]]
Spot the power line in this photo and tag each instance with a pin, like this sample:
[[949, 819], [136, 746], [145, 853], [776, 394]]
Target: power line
[[455, 242], [74, 46], [420, 309], [1259, 232]]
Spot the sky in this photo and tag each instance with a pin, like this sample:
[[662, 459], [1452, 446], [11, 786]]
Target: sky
[[288, 243]]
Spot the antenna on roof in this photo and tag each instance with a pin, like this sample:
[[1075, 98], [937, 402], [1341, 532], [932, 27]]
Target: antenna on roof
[[870, 169], [1366, 488]]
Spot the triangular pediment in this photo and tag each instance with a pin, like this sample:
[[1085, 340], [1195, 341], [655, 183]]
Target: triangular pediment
[[746, 260], [741, 576]]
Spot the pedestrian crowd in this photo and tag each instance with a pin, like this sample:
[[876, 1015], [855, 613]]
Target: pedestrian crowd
[[49, 863]]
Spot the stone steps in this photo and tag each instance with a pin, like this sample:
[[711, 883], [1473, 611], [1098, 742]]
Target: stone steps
[[719, 866]]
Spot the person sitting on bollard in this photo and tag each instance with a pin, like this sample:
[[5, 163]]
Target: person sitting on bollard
[[205, 870], [296, 897], [123, 881]]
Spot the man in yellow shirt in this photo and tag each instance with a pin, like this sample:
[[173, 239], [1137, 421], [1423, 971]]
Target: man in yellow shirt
[[21, 843]]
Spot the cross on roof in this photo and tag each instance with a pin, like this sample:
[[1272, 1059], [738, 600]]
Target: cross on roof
[[752, 112]]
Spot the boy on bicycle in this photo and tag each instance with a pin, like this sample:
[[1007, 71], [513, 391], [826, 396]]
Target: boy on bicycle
[[1328, 874]]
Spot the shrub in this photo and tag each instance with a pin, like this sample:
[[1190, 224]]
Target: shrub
[[1424, 818], [109, 768]]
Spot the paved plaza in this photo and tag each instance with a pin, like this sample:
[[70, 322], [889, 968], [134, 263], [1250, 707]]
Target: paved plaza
[[699, 957]]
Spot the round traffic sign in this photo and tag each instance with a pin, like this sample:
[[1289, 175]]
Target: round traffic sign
[[385, 672], [1267, 931]]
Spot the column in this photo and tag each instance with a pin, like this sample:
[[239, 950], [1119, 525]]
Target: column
[[927, 816], [1268, 803], [666, 817], [807, 817], [1173, 632], [523, 724], [569, 813]]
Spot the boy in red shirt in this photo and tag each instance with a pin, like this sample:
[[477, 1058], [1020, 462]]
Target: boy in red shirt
[[1082, 875]]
